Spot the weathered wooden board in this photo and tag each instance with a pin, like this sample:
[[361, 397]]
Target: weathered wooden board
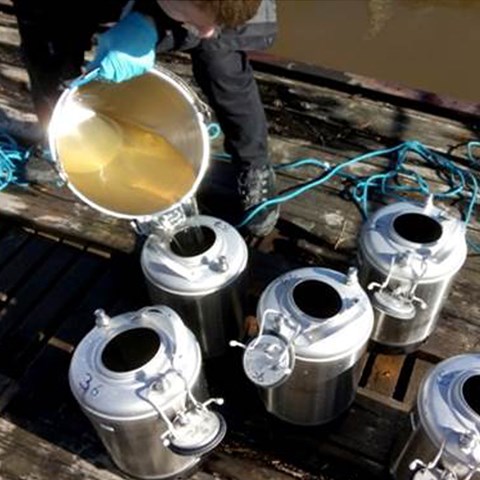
[[420, 369], [27, 454]]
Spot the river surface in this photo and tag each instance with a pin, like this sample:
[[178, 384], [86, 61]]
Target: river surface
[[433, 45]]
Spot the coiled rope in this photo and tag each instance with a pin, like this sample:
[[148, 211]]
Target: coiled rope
[[13, 158], [395, 181]]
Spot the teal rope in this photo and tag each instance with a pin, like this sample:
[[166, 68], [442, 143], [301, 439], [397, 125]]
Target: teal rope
[[13, 158], [462, 182]]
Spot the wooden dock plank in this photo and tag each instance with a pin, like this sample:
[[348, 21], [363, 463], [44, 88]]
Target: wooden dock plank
[[12, 240], [25, 455], [28, 336], [35, 287], [452, 336], [42, 209], [420, 369], [8, 389], [310, 112], [385, 373], [21, 266], [237, 468], [364, 435]]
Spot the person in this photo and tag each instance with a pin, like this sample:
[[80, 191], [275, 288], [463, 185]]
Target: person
[[217, 34]]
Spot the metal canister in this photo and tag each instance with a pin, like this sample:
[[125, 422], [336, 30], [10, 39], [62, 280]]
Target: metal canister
[[138, 378], [199, 269], [314, 328], [408, 257], [445, 443]]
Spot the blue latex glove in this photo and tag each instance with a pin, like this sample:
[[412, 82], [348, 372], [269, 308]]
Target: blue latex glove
[[126, 50]]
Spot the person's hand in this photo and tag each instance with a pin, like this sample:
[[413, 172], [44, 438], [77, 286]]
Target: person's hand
[[126, 50]]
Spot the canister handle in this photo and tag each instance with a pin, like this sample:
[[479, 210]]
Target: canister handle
[[83, 79], [434, 470], [195, 429], [431, 470], [394, 304]]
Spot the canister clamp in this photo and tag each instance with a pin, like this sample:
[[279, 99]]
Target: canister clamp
[[433, 470], [195, 429], [165, 224], [393, 301]]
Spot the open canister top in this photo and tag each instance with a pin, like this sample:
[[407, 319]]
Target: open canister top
[[199, 257], [131, 365], [331, 311], [449, 408], [405, 239]]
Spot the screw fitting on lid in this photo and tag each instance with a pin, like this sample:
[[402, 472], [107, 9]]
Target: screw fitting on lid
[[101, 318], [220, 264], [352, 276]]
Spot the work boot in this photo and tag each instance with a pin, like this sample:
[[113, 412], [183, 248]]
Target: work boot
[[255, 185]]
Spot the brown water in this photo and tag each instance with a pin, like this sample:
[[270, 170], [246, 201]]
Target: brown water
[[431, 45], [120, 166]]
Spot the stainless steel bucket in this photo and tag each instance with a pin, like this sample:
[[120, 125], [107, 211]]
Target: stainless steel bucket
[[199, 269], [445, 443], [135, 149], [138, 378], [408, 256], [314, 327]]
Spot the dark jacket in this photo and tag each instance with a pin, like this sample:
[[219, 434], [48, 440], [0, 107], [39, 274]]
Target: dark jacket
[[257, 34]]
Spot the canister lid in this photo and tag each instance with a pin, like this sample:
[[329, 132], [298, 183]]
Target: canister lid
[[117, 364], [423, 239], [202, 256], [327, 313], [268, 361], [392, 305], [449, 407], [197, 432]]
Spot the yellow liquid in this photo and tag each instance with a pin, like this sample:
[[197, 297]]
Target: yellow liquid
[[122, 167]]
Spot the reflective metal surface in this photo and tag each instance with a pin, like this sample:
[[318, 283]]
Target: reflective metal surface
[[133, 149], [314, 327], [134, 376], [408, 256], [445, 441], [199, 269]]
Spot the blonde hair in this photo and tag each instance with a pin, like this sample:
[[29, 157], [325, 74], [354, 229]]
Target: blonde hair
[[229, 13]]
